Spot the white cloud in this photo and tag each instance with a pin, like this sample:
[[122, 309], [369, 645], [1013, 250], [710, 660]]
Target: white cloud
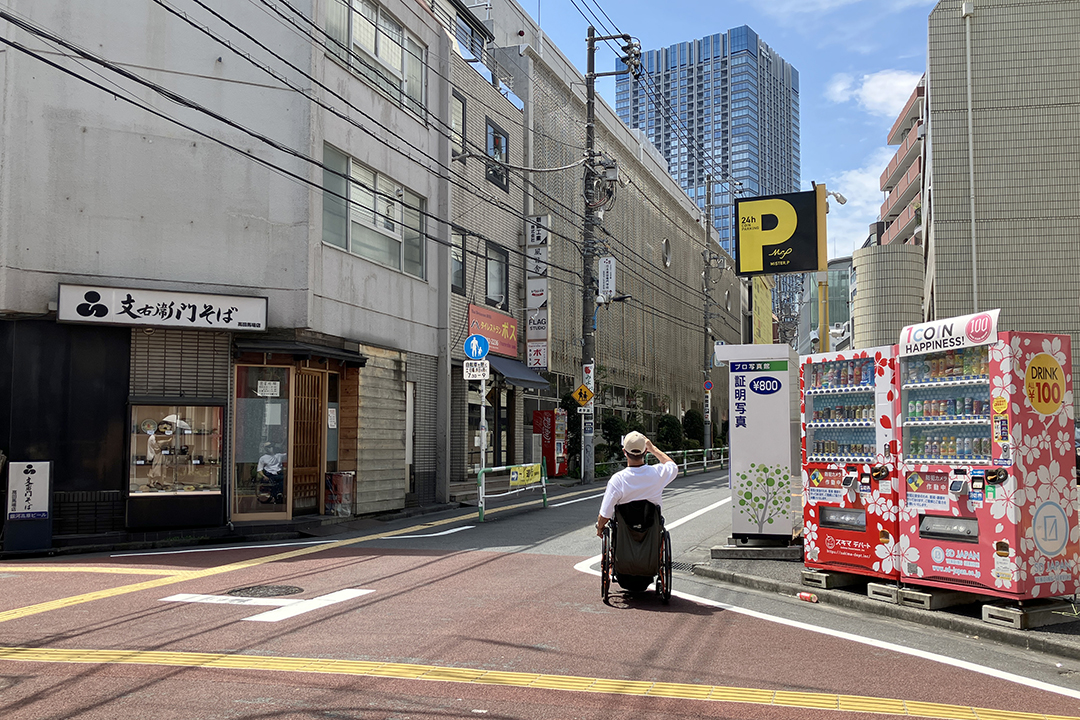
[[839, 88], [849, 225], [882, 93]]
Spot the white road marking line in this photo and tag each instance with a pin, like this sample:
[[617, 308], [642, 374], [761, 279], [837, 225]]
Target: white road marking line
[[585, 566], [228, 600], [219, 549], [305, 606], [438, 534], [284, 607], [571, 502], [698, 513]]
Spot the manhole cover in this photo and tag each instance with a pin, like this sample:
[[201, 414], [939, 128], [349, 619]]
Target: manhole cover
[[684, 566], [266, 591]]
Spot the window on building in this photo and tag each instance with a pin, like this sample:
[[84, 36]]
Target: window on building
[[498, 149], [377, 48], [372, 216], [457, 123], [498, 277], [457, 261]]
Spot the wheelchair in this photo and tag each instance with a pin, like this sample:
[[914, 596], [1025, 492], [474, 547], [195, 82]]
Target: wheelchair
[[636, 549]]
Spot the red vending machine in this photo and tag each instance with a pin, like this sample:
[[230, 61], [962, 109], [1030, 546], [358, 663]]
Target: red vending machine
[[850, 484], [551, 426], [988, 500]]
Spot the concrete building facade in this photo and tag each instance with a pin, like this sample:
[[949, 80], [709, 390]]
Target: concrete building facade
[[320, 215]]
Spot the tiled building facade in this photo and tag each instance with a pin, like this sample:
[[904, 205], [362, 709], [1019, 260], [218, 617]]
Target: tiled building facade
[[1025, 146]]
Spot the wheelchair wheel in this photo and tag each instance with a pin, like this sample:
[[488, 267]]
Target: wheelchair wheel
[[663, 580], [605, 565]]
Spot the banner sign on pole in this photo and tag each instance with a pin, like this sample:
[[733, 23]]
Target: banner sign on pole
[[607, 276], [537, 332]]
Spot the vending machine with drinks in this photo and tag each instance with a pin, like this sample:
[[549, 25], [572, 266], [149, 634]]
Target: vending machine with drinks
[[850, 486], [550, 425], [987, 498]]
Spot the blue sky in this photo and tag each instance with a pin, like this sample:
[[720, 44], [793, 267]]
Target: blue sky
[[858, 61]]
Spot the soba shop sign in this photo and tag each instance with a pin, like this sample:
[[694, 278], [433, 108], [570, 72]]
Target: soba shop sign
[[950, 334], [160, 308]]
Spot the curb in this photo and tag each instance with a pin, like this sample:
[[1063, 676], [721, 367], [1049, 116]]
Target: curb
[[931, 618]]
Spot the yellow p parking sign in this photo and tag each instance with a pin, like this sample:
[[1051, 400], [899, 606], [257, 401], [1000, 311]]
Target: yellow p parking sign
[[781, 233]]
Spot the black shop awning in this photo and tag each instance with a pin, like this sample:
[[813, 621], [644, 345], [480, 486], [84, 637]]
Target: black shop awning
[[300, 350], [517, 373]]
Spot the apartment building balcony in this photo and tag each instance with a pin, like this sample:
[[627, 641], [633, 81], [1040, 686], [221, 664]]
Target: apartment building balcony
[[907, 187], [910, 149], [913, 109], [905, 224]]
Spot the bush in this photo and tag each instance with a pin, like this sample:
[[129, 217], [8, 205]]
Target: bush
[[669, 433], [693, 425], [691, 444]]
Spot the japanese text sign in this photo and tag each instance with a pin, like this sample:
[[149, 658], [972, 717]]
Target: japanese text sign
[[163, 308], [28, 491]]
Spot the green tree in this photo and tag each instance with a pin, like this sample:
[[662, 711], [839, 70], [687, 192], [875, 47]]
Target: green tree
[[669, 433], [613, 427], [693, 425]]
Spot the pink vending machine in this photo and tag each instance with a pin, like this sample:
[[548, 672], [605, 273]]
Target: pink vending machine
[[849, 473], [987, 498], [551, 426]]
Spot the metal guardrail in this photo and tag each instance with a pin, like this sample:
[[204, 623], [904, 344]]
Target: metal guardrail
[[687, 460], [481, 487]]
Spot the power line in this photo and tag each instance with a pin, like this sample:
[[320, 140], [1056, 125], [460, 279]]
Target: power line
[[536, 188], [187, 103], [262, 161]]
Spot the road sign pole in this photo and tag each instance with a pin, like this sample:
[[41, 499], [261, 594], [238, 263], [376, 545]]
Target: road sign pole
[[483, 428]]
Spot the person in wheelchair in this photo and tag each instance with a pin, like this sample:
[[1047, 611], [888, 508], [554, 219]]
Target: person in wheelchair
[[640, 548]]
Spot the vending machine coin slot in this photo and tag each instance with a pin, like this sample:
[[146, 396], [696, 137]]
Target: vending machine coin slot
[[959, 485], [843, 518], [949, 528], [880, 472], [996, 477]]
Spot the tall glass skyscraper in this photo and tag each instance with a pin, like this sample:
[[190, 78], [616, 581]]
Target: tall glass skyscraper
[[728, 105], [725, 104]]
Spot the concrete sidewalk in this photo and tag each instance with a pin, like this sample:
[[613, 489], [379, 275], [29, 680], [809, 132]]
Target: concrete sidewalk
[[784, 577]]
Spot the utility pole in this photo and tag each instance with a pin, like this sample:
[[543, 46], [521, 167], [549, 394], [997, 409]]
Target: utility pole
[[706, 442], [588, 254]]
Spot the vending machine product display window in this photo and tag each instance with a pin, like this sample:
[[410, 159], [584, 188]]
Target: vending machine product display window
[[987, 498], [850, 486]]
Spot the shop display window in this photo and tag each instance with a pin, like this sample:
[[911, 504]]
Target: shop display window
[[175, 449]]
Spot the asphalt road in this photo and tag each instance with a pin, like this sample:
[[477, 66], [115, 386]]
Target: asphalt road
[[443, 616]]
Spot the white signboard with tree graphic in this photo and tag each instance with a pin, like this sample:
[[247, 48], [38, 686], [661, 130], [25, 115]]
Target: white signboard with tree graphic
[[764, 439]]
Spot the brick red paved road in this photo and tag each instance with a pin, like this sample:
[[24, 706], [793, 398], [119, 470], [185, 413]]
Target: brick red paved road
[[526, 613]]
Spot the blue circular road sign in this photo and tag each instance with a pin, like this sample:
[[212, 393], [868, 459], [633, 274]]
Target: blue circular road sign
[[476, 347]]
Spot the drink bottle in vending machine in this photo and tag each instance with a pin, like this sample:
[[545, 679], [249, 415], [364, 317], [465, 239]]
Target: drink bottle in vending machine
[[987, 498], [550, 425], [850, 501]]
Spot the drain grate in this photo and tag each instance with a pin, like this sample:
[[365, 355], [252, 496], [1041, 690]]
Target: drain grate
[[266, 591], [684, 566]]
